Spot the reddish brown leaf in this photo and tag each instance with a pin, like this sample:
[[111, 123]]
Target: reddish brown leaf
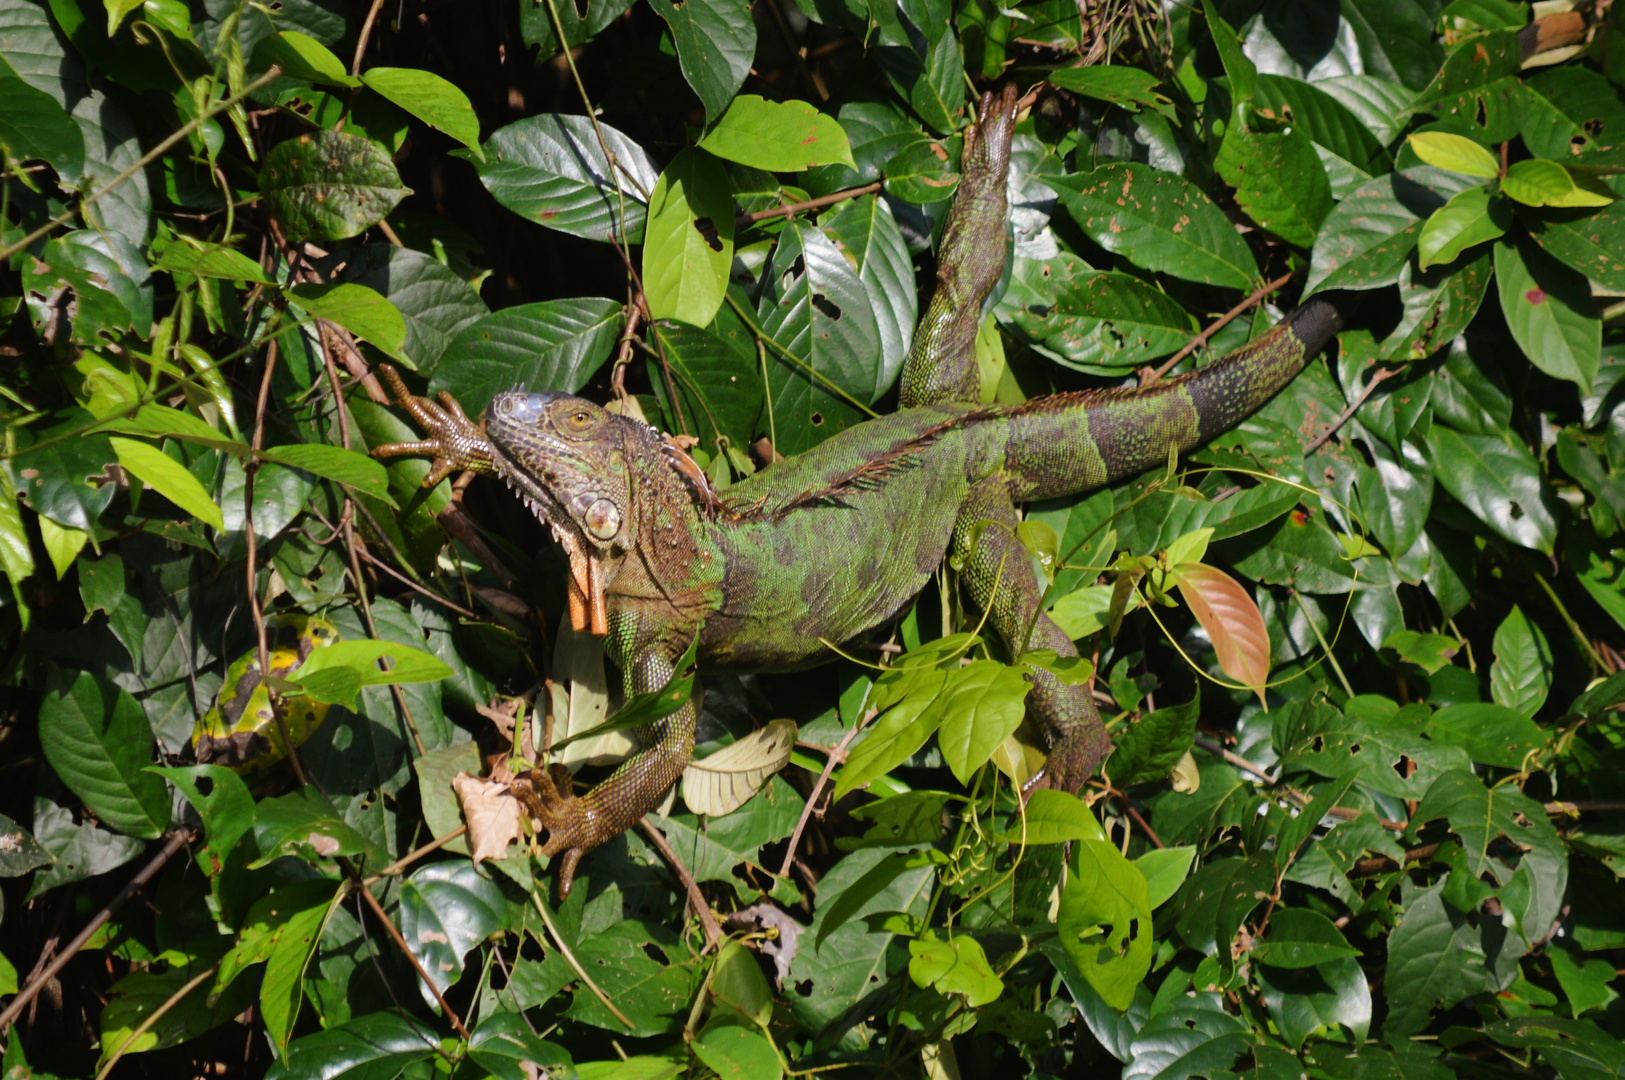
[[1232, 621]]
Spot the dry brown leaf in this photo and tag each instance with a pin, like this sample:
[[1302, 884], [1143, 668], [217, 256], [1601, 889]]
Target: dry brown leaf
[[492, 814], [724, 781]]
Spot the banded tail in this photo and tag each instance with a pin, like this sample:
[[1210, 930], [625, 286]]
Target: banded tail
[[1068, 443]]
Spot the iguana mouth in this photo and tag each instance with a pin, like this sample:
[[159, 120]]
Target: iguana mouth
[[585, 593]]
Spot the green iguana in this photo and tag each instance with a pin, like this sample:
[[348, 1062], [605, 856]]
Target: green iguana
[[827, 546]]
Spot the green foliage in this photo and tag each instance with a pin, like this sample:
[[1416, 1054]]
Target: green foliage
[[1399, 851]]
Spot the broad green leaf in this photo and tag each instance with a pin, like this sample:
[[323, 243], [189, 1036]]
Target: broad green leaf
[[1165, 870], [1584, 982], [876, 880], [304, 824], [1302, 1001], [1243, 73], [1336, 745], [16, 554], [427, 96], [446, 910], [33, 124], [866, 230], [649, 986], [337, 673], [136, 999], [958, 966], [1148, 749], [227, 810], [925, 170], [1365, 241], [550, 345], [1497, 481], [375, 1045], [303, 57], [1430, 652], [348, 467], [982, 706], [1158, 222], [1471, 217], [1053, 817], [357, 309], [1548, 309], [281, 932], [1456, 153], [19, 851], [1105, 921], [97, 740], [777, 136], [1100, 318], [1538, 182], [504, 1046], [719, 386], [1522, 672], [213, 261], [551, 169], [1439, 303], [921, 56], [716, 42], [1125, 86], [1279, 179], [168, 478], [1195, 1037], [435, 302], [1437, 959], [893, 738], [1592, 243], [329, 185], [737, 981], [1492, 734], [688, 241], [736, 1050], [1300, 938], [914, 817]]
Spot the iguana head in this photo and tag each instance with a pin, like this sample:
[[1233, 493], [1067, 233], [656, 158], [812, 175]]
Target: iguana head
[[573, 463]]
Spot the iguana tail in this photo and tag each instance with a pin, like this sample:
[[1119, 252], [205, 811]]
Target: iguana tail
[[1067, 443]]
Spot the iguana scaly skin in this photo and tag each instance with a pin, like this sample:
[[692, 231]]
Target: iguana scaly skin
[[829, 545]]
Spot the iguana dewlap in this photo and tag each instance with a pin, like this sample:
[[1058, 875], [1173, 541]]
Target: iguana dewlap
[[829, 545]]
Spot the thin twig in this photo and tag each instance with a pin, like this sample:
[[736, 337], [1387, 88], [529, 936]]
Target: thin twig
[[811, 204], [156, 1015], [141, 163], [409, 583], [389, 925], [366, 32], [575, 965], [413, 856], [702, 908], [1223, 321], [1237, 760], [1379, 863], [1377, 377], [1134, 814], [251, 469], [813, 82], [837, 754], [1596, 805], [177, 840]]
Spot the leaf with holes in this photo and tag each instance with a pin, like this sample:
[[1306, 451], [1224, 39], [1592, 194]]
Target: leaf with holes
[[446, 910], [689, 240], [817, 309], [1105, 921], [1498, 481]]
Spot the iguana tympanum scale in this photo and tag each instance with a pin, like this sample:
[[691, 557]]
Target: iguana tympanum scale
[[829, 545]]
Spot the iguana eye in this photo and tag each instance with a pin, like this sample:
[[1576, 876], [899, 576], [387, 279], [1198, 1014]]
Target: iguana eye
[[578, 418]]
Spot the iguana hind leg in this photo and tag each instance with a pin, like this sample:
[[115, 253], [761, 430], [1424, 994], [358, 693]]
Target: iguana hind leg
[[997, 571]]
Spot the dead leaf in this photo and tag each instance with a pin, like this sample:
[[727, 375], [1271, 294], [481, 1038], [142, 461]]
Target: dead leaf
[[492, 814], [724, 781], [1185, 776]]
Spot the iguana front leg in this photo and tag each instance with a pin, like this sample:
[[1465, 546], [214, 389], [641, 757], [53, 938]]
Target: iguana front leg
[[458, 444], [576, 825]]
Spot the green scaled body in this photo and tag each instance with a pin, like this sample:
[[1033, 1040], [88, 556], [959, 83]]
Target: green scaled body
[[827, 547]]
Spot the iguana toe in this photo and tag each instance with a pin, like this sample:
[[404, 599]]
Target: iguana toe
[[1073, 759]]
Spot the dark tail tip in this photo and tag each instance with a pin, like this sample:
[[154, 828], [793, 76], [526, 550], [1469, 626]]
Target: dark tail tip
[[1318, 321]]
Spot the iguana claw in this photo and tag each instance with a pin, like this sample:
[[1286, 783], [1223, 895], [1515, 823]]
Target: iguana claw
[[458, 442], [570, 822]]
